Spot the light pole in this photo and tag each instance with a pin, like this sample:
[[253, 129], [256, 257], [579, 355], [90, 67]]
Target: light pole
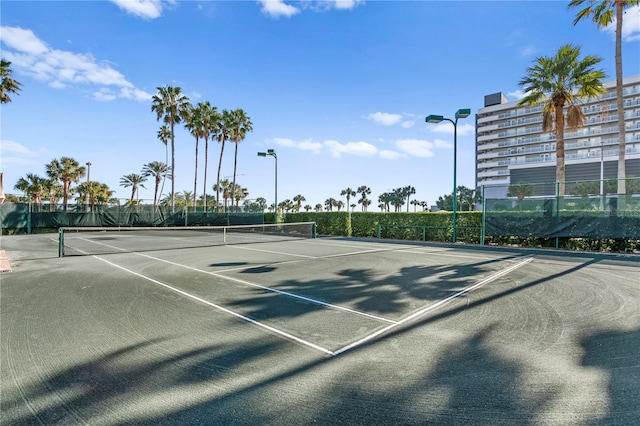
[[272, 153], [461, 113]]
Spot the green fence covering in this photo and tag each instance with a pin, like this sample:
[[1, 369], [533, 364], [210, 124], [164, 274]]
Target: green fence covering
[[24, 217]]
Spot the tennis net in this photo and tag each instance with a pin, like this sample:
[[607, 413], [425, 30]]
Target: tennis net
[[83, 241]]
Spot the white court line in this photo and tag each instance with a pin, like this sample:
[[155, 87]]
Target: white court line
[[223, 309], [434, 306], [273, 290]]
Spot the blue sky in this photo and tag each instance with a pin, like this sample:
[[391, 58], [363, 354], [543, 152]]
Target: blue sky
[[340, 89]]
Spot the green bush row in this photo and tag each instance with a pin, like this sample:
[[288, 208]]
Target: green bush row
[[437, 227]]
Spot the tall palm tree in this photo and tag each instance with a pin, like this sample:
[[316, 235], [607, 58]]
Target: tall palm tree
[[210, 117], [171, 105], [299, 199], [134, 181], [7, 84], [194, 122], [602, 14], [408, 192], [364, 191], [222, 135], [348, 193], [329, 203], [66, 170], [559, 81], [164, 134], [158, 170], [32, 185], [241, 125]]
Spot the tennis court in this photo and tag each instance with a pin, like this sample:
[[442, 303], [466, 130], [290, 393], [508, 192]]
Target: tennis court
[[129, 329]]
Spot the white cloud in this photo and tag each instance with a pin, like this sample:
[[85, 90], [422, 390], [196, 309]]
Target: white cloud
[[147, 9], [363, 149], [346, 4], [447, 127], [15, 154], [407, 124], [416, 147], [517, 94], [385, 118], [305, 145], [630, 24], [526, 51], [22, 40], [61, 68], [442, 144], [390, 155], [277, 8]]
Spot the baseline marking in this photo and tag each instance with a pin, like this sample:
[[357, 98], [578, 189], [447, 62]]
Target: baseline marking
[[435, 305], [223, 309]]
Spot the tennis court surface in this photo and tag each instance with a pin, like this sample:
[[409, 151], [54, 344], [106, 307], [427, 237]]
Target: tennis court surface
[[123, 330]]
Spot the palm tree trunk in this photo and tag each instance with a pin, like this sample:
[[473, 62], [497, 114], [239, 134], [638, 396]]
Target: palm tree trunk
[[173, 168], [195, 177], [166, 161], [560, 168], [218, 183], [621, 131], [206, 162], [235, 164], [155, 194]]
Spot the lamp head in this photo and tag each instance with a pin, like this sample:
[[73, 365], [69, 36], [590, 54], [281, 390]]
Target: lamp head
[[463, 113], [434, 118], [271, 151], [262, 154]]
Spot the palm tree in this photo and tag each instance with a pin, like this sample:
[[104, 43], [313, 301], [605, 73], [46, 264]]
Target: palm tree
[[601, 13], [134, 181], [222, 134], [348, 193], [558, 81], [7, 84], [318, 207], [329, 203], [307, 207], [164, 134], [225, 187], [54, 191], [364, 190], [157, 170], [408, 191], [241, 125], [194, 122], [520, 190], [66, 170], [210, 119], [32, 185], [96, 192], [299, 199], [339, 204], [415, 204], [385, 200], [172, 106], [239, 193], [261, 202]]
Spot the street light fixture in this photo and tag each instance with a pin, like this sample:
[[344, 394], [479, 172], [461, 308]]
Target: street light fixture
[[272, 153], [461, 113]]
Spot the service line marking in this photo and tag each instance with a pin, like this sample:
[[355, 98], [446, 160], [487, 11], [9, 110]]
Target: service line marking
[[435, 305], [223, 309]]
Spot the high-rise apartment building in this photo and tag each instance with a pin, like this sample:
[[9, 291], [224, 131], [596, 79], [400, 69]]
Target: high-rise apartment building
[[511, 147]]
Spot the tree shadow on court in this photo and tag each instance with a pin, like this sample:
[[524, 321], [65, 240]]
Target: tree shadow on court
[[130, 375], [367, 289], [470, 384], [617, 354]]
